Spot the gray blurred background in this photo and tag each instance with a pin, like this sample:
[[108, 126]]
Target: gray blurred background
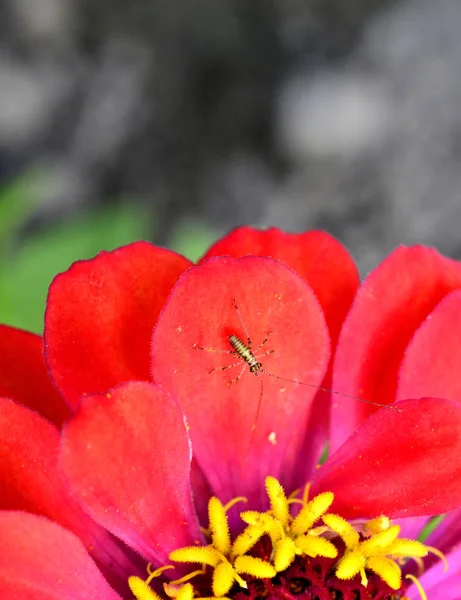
[[177, 120]]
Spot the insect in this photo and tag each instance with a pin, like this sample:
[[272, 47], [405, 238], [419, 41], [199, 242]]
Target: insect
[[250, 359]]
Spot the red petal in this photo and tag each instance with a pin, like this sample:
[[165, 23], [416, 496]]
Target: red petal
[[24, 375], [30, 480], [100, 316], [330, 271], [41, 560], [127, 458], [402, 464], [315, 255], [392, 302], [233, 450], [432, 360]]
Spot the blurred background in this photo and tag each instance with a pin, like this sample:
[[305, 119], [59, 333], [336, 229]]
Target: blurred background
[[177, 120]]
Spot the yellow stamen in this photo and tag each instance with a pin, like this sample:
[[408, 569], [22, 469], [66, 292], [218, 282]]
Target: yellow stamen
[[404, 547], [233, 502], [294, 495], [188, 577], [171, 590], [350, 565], [312, 512], [140, 587], [219, 527], [257, 567], [267, 523], [441, 555], [157, 572], [376, 525], [387, 569], [316, 546], [419, 561], [417, 583], [372, 546], [278, 500], [284, 555], [141, 590], [381, 542], [376, 553], [247, 539], [307, 488], [223, 579], [295, 501], [196, 554], [186, 592], [343, 529]]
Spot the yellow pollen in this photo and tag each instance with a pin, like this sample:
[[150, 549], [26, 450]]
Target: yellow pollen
[[387, 569], [233, 502], [381, 542], [278, 500], [196, 554], [316, 546], [378, 552], [141, 590], [376, 525], [284, 554], [218, 526], [417, 583], [371, 547], [217, 555], [186, 592], [174, 584], [311, 512], [223, 578], [140, 587], [344, 529], [246, 540], [268, 524], [257, 567], [442, 556]]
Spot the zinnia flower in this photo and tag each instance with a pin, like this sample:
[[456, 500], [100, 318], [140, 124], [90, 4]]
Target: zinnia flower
[[165, 440]]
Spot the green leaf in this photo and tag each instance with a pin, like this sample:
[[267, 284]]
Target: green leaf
[[26, 276], [192, 238], [17, 203]]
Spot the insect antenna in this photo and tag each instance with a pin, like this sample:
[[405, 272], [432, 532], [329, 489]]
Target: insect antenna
[[242, 322], [322, 389]]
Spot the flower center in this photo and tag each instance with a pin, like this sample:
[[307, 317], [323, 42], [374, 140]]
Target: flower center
[[296, 549]]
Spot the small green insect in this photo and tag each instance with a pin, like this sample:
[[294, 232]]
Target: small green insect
[[248, 358], [243, 351]]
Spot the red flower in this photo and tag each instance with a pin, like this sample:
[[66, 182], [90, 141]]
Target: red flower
[[135, 344]]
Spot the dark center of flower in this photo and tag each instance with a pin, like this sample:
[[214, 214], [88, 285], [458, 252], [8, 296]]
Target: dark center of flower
[[296, 550]]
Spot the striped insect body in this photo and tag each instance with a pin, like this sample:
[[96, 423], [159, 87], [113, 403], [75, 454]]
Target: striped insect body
[[248, 358], [245, 352]]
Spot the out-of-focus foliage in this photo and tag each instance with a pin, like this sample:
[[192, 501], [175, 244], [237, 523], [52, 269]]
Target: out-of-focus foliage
[[191, 238], [28, 263], [29, 260]]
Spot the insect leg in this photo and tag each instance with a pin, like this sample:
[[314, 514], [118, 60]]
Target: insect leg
[[264, 354], [265, 340], [229, 383], [226, 367], [195, 347]]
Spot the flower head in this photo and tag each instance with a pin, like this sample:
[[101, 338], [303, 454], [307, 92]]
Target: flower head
[[184, 390]]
